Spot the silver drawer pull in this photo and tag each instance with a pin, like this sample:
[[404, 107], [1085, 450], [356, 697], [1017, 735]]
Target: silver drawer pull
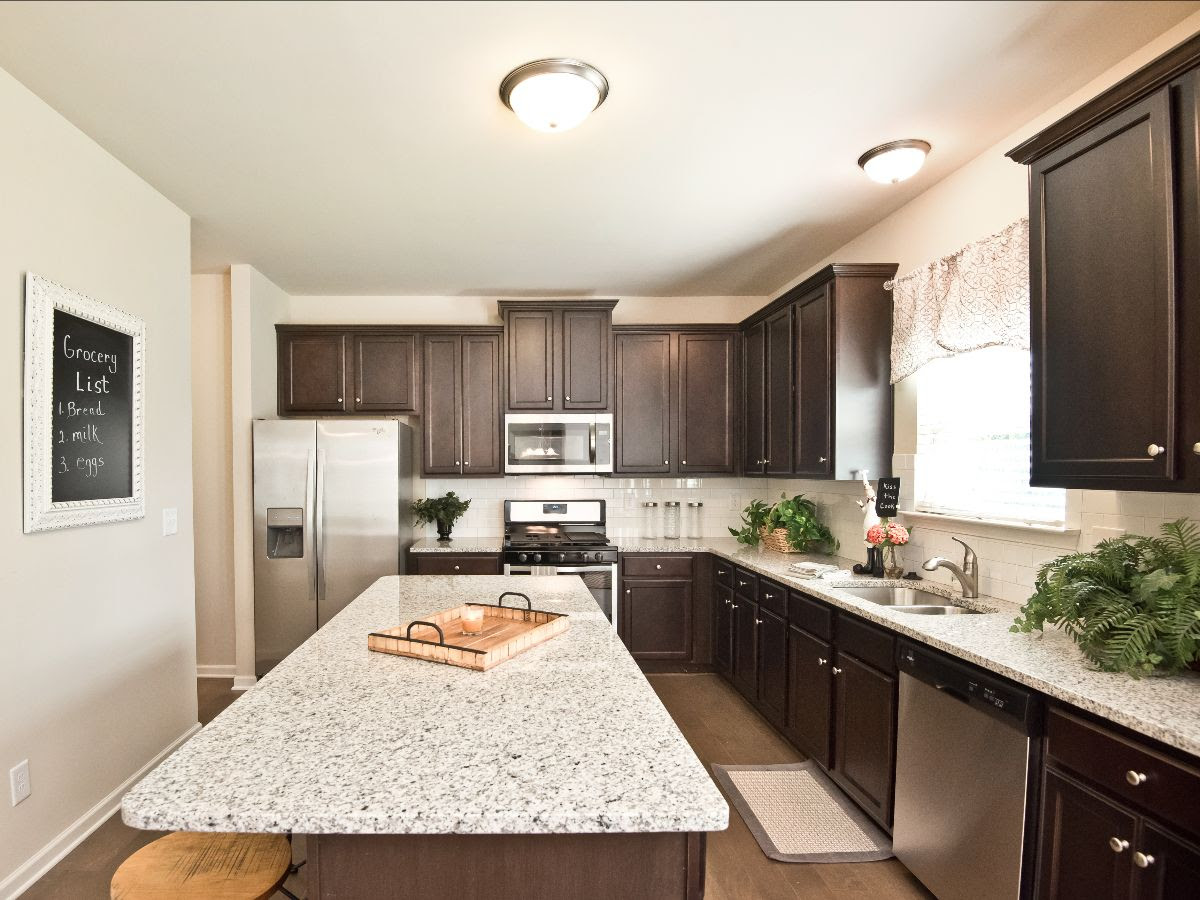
[[658, 565], [1155, 449], [758, 621], [722, 572], [1135, 778], [1196, 448], [456, 568], [822, 661], [769, 596], [1143, 860], [743, 583], [1117, 844], [733, 605], [836, 671]]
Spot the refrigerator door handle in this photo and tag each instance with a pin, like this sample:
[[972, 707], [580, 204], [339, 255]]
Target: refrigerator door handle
[[320, 523], [310, 538]]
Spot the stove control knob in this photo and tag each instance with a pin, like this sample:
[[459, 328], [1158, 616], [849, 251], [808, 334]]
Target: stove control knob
[[522, 557], [599, 557], [562, 557], [537, 557]]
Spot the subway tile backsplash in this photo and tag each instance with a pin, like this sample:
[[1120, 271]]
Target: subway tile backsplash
[[1008, 557]]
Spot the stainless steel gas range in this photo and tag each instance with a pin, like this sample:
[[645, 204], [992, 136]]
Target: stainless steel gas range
[[562, 537]]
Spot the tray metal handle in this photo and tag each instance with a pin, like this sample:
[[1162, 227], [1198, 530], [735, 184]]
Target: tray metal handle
[[528, 602], [440, 633]]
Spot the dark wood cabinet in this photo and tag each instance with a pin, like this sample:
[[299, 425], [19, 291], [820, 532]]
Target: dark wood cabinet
[[386, 373], [810, 694], [864, 744], [1077, 859], [461, 404], [1114, 236], [439, 563], [723, 630], [772, 666], [311, 372], [657, 616], [817, 397], [557, 354], [1172, 870], [675, 401], [744, 671]]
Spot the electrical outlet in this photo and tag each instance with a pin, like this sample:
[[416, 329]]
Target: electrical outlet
[[170, 521], [18, 778]]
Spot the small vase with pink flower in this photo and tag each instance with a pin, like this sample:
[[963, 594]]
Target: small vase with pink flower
[[887, 536]]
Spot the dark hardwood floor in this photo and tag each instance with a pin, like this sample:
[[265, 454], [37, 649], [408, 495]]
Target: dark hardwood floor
[[724, 728], [717, 722]]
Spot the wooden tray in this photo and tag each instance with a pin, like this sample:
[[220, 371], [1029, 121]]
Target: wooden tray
[[507, 632]]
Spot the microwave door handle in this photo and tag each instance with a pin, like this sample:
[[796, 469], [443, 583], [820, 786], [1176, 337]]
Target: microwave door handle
[[592, 443]]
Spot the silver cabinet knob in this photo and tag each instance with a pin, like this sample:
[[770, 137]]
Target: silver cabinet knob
[[683, 462], [769, 596], [836, 671], [1155, 450], [821, 459], [742, 583], [666, 462], [1117, 844], [456, 568], [822, 661], [358, 399], [758, 621], [1135, 778], [568, 397], [549, 398], [456, 462], [1196, 448], [722, 572], [728, 601], [339, 400], [628, 591], [1143, 860], [766, 462], [658, 565], [733, 606]]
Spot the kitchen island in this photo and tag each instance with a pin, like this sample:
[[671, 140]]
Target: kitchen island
[[556, 774]]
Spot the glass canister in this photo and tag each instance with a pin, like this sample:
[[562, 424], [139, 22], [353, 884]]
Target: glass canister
[[671, 519], [692, 514], [649, 527]]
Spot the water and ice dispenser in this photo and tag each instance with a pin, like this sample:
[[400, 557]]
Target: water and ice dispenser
[[285, 532]]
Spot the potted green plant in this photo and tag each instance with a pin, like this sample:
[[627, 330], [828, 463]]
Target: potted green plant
[[445, 511], [790, 525], [1132, 604]]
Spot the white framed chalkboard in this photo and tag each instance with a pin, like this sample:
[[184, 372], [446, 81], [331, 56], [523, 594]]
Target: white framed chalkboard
[[84, 429]]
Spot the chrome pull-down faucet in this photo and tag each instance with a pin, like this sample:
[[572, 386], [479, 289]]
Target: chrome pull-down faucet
[[968, 575]]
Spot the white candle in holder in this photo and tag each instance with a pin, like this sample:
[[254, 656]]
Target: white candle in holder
[[472, 620]]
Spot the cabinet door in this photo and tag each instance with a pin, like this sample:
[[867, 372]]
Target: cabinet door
[[1076, 858], [1170, 867], [643, 419], [778, 449], [585, 354], [772, 666], [707, 381], [441, 423], [530, 339], [810, 694], [814, 386], [1104, 306], [385, 373], [745, 647], [864, 744], [658, 619], [481, 404], [723, 652], [312, 373], [754, 415]]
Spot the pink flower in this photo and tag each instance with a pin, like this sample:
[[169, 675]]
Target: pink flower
[[877, 534], [897, 533], [887, 533]]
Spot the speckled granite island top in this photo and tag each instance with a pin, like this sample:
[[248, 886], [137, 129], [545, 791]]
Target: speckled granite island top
[[568, 737]]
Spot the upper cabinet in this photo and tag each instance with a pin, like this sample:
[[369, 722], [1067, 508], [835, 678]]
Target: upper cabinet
[[558, 354], [675, 401], [1114, 213], [817, 393], [461, 425], [339, 370]]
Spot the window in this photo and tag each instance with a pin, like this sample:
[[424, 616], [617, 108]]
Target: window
[[973, 440]]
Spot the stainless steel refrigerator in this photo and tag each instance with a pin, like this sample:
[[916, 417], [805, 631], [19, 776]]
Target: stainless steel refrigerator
[[331, 515]]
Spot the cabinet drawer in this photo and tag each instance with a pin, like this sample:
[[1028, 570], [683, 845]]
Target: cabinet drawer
[[811, 615], [1168, 790], [455, 564], [677, 565], [746, 584], [870, 644], [772, 596], [723, 572]]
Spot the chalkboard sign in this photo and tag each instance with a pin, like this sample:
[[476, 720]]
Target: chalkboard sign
[[93, 411], [83, 409], [887, 496]]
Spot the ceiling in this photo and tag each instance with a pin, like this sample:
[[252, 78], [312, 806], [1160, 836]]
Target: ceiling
[[361, 148]]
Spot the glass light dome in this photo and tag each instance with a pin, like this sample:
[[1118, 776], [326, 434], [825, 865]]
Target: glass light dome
[[553, 95], [895, 161]]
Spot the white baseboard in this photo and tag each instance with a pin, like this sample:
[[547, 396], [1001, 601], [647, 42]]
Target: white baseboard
[[244, 682], [45, 859], [228, 671]]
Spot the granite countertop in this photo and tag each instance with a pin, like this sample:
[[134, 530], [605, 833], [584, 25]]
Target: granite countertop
[[490, 544], [568, 737]]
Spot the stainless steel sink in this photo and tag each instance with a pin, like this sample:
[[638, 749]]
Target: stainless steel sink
[[910, 600]]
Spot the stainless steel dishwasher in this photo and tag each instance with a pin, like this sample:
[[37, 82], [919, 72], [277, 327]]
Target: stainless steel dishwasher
[[965, 767]]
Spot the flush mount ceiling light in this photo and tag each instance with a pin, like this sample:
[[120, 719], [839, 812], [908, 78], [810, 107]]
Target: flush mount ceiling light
[[553, 94], [894, 161]]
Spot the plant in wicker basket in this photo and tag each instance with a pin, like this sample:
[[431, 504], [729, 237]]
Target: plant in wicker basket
[[1132, 604], [790, 526]]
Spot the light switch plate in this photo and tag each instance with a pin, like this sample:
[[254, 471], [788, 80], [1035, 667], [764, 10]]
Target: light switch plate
[[170, 521], [18, 779]]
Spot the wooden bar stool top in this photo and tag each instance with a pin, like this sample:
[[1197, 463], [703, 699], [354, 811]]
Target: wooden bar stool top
[[213, 866]]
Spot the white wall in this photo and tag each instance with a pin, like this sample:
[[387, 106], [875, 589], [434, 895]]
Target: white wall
[[97, 624], [212, 471]]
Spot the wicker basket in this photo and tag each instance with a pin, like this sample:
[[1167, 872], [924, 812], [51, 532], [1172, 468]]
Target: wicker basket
[[777, 540]]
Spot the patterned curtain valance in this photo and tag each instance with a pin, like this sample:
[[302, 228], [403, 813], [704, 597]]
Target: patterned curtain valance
[[975, 298]]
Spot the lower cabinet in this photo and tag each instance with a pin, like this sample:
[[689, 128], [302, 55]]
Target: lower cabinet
[[657, 617], [723, 631], [439, 563], [772, 666], [810, 694], [864, 738], [744, 670]]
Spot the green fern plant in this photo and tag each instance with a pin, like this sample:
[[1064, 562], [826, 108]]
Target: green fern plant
[[1131, 604], [798, 515]]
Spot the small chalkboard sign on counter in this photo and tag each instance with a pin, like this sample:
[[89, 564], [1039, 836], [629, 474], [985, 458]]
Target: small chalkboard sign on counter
[[887, 497], [83, 409]]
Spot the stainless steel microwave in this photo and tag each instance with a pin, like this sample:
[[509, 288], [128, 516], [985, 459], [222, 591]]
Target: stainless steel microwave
[[558, 443]]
